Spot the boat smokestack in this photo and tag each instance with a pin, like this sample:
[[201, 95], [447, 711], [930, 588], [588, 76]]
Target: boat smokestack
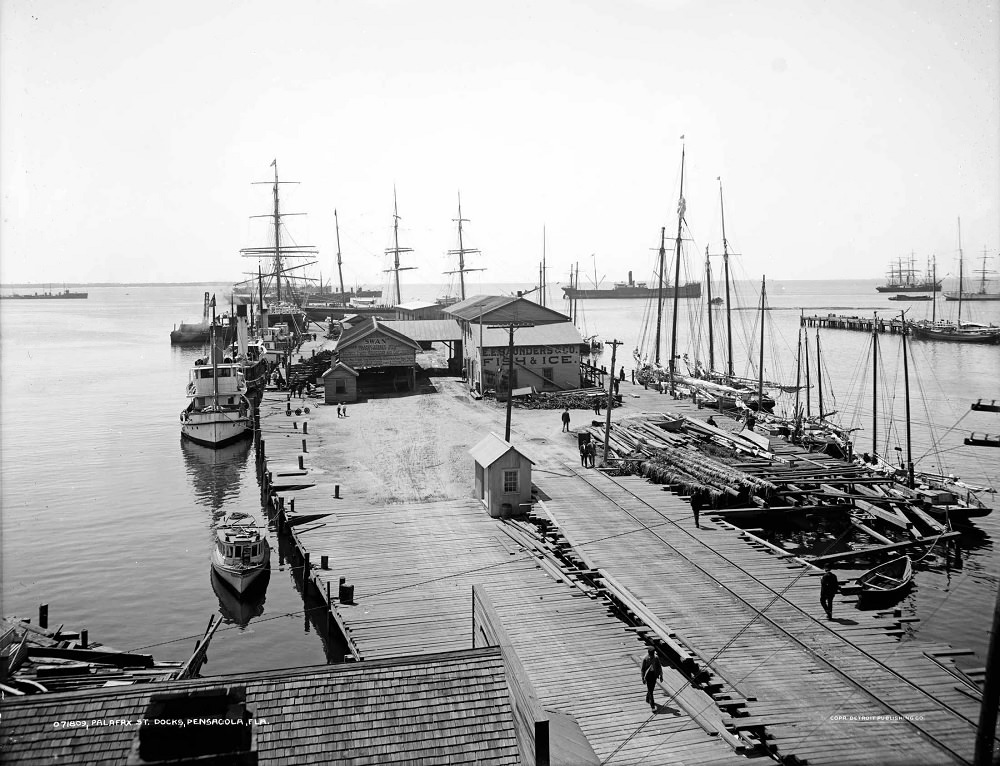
[[241, 329], [630, 279]]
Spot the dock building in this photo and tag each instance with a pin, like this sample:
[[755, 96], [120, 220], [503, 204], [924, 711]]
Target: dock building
[[546, 344], [384, 358]]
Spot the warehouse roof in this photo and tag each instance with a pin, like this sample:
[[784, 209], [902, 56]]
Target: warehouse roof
[[501, 309], [445, 708], [427, 330], [562, 334], [369, 326]]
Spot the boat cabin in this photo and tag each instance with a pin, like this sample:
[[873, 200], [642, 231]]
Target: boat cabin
[[236, 547]]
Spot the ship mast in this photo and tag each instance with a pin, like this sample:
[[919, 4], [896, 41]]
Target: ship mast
[[711, 334], [396, 249], [340, 270], [461, 252], [659, 294], [279, 252], [725, 262], [681, 206], [960, 287]]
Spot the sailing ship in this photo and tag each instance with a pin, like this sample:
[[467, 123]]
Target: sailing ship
[[982, 294], [48, 295], [277, 287], [904, 277], [957, 332], [632, 289]]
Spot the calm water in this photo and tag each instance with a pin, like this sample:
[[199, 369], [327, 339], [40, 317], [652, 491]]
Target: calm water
[[107, 515]]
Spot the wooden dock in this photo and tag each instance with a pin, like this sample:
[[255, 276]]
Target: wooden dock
[[858, 323], [841, 691]]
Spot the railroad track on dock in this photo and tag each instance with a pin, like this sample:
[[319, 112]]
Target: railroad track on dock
[[833, 654]]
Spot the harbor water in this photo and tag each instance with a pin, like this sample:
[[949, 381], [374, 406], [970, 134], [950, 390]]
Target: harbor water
[[107, 515]]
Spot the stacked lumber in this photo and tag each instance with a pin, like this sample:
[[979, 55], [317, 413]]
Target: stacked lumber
[[576, 399]]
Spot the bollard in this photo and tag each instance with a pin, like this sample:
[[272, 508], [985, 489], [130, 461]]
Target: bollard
[[43, 615], [302, 465], [327, 591], [305, 427], [295, 425], [304, 446], [291, 504], [324, 563], [288, 408], [336, 491], [305, 562], [84, 638]]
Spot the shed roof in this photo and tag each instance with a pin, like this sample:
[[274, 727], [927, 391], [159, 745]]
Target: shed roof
[[341, 366], [370, 326], [449, 707], [427, 330], [561, 334], [492, 448], [417, 305], [499, 309]]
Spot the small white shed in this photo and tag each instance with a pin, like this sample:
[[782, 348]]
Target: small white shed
[[503, 476]]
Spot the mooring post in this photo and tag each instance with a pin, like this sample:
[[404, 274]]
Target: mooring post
[[324, 563], [304, 446], [43, 615], [302, 465], [291, 504], [305, 562], [305, 427], [84, 638], [295, 425], [336, 491]]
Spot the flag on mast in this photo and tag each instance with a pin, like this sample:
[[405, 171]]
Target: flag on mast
[[273, 162]]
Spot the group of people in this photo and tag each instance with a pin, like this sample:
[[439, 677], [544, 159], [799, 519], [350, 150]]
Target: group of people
[[341, 410], [588, 454]]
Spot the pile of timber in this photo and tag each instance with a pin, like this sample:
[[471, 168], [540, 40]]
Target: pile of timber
[[35, 660], [308, 370], [575, 399]]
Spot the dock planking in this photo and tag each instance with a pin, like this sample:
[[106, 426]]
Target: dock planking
[[756, 617], [413, 568]]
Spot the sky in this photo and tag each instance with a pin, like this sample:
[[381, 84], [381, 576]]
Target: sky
[[847, 134]]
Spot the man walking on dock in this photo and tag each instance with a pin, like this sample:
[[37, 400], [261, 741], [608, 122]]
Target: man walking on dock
[[828, 587], [565, 419], [696, 506], [652, 672]]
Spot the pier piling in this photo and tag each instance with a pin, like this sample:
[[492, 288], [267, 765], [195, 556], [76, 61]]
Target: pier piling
[[43, 615], [336, 491], [304, 446], [302, 465], [84, 638]]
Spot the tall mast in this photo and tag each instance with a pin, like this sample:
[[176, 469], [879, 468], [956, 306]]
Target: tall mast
[[960, 287], [279, 251], [760, 365], [906, 387], [576, 301], [544, 286], [396, 249], [711, 335], [808, 384], [659, 293], [725, 262], [934, 291], [819, 374], [798, 378], [875, 387], [681, 207], [340, 271], [462, 250]]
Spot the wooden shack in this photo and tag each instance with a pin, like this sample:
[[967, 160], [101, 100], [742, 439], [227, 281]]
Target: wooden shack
[[384, 358], [340, 384], [503, 477]]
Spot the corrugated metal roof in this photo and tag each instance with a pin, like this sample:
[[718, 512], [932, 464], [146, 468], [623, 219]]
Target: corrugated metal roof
[[363, 329], [450, 707], [562, 334], [416, 305], [500, 309], [427, 330]]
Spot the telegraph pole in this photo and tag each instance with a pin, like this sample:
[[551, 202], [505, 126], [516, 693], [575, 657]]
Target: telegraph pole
[[611, 398]]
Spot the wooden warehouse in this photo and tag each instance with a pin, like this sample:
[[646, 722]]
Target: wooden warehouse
[[503, 477], [384, 358]]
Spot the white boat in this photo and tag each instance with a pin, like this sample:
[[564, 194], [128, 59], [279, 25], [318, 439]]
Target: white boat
[[218, 412], [241, 552]]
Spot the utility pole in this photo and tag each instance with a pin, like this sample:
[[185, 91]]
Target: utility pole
[[611, 391], [510, 382]]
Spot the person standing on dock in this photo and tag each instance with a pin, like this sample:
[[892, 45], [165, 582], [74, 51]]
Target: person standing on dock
[[621, 375], [339, 415], [828, 587], [565, 419], [696, 506], [597, 405], [652, 671], [591, 454]]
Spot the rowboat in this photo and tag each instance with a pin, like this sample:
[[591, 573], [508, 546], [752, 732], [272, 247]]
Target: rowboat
[[886, 580]]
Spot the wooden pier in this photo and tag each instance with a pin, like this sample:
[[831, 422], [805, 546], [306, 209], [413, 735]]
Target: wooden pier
[[858, 323]]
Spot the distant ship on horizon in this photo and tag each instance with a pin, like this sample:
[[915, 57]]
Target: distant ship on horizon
[[904, 277], [48, 295], [633, 289]]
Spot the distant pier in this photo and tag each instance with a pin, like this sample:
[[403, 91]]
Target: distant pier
[[860, 324]]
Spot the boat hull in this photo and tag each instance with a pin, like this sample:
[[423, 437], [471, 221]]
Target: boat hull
[[920, 287], [216, 432], [688, 290], [886, 581], [972, 297], [955, 335], [241, 579]]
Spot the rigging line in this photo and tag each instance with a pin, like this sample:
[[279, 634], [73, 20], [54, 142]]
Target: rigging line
[[950, 429], [795, 607]]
